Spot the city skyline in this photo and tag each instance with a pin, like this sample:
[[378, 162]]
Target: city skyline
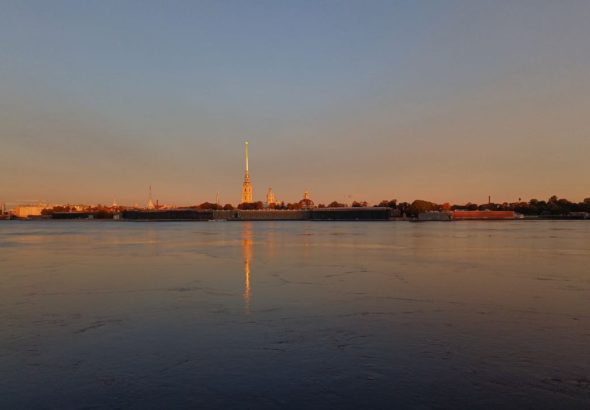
[[247, 196], [451, 102]]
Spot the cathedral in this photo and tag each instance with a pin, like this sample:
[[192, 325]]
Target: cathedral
[[247, 185]]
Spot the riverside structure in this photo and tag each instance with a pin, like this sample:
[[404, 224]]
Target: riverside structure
[[313, 214]]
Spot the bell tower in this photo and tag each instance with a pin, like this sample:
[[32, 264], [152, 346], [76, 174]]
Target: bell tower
[[247, 185]]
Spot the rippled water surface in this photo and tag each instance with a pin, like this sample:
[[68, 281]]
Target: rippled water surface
[[294, 315]]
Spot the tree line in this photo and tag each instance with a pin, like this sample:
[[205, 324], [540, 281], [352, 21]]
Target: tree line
[[551, 206], [554, 206]]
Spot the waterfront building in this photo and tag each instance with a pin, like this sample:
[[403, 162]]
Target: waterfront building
[[270, 198], [247, 185], [461, 214], [25, 211], [150, 204]]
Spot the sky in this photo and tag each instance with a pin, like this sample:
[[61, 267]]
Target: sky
[[448, 101]]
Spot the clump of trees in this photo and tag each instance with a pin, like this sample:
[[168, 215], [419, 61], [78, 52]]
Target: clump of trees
[[210, 206], [553, 206], [419, 206], [388, 204], [251, 205], [305, 203], [336, 204]]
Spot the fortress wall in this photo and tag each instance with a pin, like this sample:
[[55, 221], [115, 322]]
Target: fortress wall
[[316, 214], [351, 214], [266, 215], [169, 215]]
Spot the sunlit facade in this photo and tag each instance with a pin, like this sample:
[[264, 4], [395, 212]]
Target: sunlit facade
[[29, 210], [270, 198], [247, 185]]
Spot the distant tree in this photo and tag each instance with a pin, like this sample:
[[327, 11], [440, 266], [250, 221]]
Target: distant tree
[[228, 207], [356, 204], [209, 205], [419, 206], [305, 203], [336, 204], [483, 207], [321, 206], [389, 204], [251, 205], [403, 208]]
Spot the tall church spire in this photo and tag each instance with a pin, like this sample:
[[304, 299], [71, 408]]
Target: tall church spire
[[247, 185], [246, 157]]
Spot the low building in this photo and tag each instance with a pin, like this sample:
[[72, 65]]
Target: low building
[[25, 211], [483, 215]]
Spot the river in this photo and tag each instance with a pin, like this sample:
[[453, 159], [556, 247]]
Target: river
[[106, 314]]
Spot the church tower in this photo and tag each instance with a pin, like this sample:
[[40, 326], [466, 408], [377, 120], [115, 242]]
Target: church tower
[[247, 185], [270, 198], [150, 204]]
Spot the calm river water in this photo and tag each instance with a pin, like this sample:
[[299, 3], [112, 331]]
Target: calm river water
[[295, 315]]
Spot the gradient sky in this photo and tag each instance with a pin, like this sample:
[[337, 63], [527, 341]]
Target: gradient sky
[[351, 100]]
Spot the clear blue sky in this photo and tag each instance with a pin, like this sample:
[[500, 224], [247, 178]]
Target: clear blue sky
[[446, 101]]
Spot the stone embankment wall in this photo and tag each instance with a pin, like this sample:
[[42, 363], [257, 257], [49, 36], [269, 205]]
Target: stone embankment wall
[[168, 215], [317, 214], [262, 215], [435, 216]]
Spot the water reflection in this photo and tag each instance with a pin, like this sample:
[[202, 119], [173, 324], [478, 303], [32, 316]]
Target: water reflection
[[247, 252], [457, 315]]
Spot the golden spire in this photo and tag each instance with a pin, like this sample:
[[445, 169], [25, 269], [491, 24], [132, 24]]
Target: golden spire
[[247, 185], [246, 157]]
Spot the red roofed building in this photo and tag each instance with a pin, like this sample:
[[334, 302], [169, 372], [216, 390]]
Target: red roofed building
[[460, 214]]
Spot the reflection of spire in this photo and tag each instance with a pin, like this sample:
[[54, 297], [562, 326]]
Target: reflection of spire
[[247, 250], [247, 185]]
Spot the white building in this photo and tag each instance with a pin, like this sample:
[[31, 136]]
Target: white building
[[24, 211]]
